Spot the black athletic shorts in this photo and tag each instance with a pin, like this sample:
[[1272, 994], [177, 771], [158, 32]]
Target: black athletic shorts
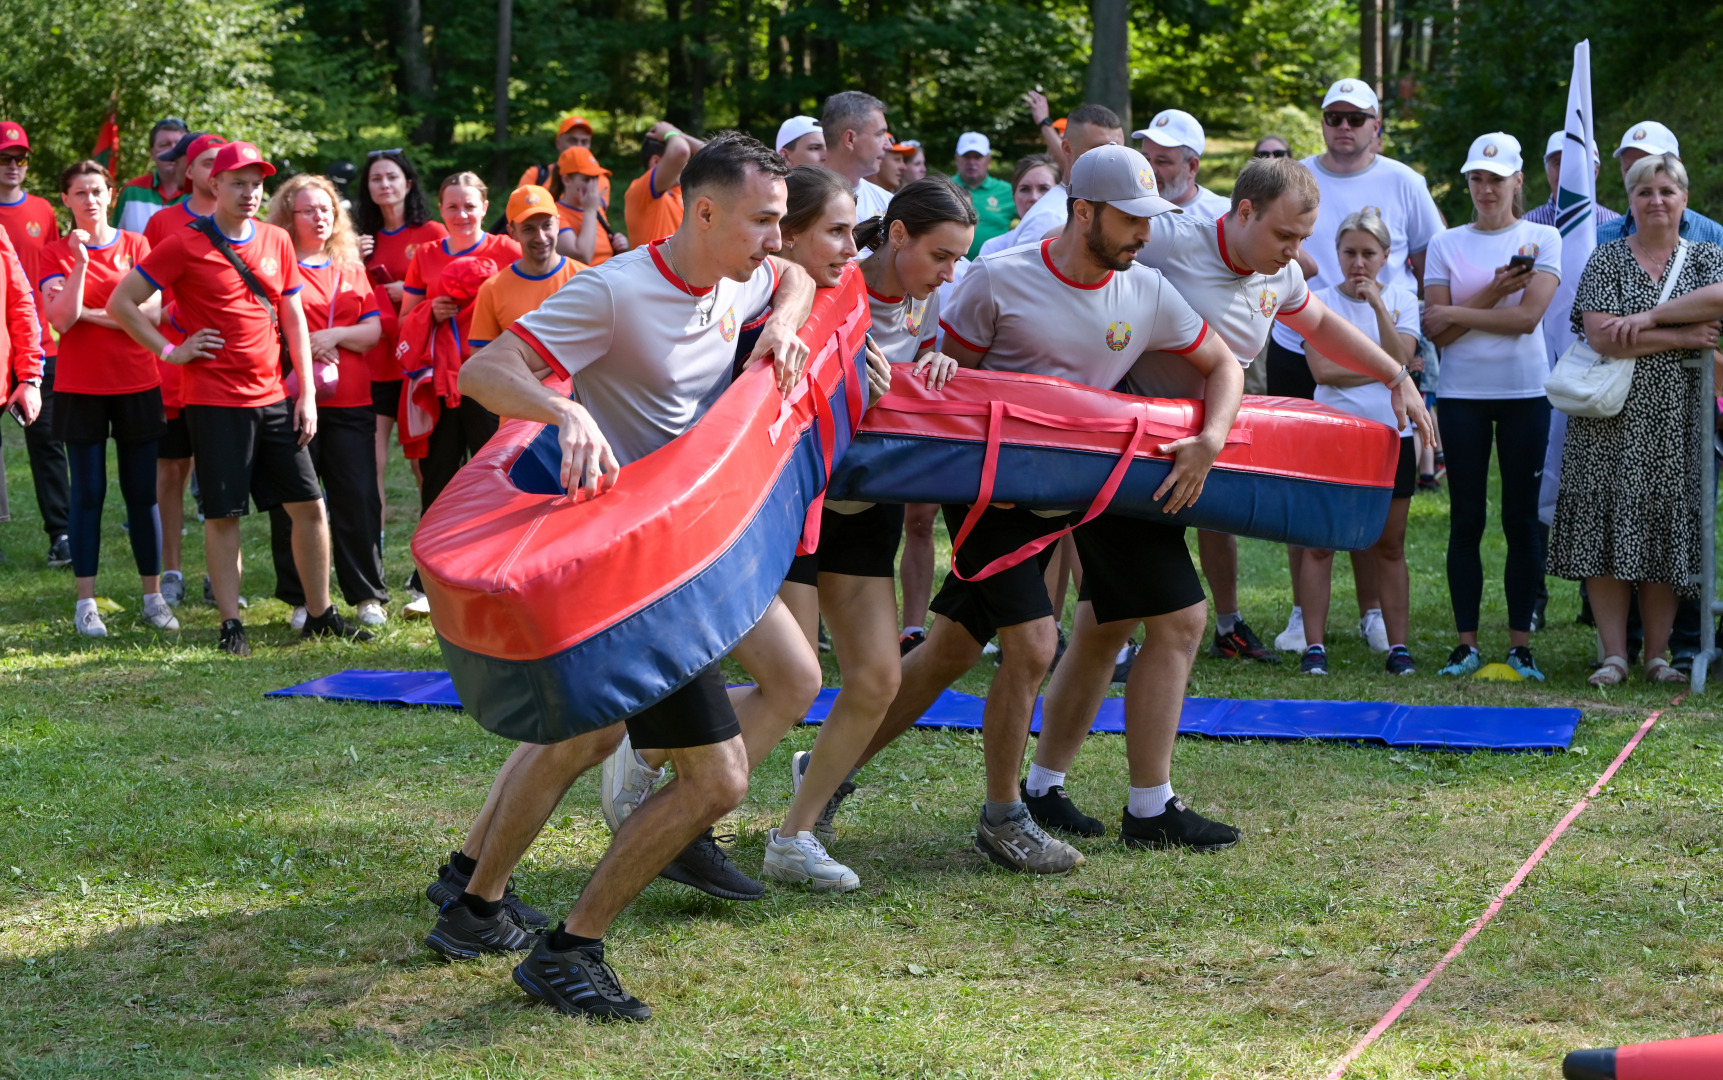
[[91, 418], [1135, 569], [698, 714], [249, 451], [1013, 596], [176, 439], [386, 397], [1406, 473], [1289, 373], [860, 545]]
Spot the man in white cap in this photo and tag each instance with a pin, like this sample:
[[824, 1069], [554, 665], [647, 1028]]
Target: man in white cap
[[1087, 127], [853, 123], [994, 208], [801, 142], [1546, 214], [1641, 140], [1078, 307], [1174, 142], [1351, 175]]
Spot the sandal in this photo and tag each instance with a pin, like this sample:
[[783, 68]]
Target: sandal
[[1612, 672], [1661, 671]]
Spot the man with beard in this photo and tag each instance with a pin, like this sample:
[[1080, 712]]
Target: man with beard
[[1174, 143]]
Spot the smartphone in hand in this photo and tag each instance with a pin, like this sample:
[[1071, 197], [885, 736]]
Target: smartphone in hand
[[1522, 262]]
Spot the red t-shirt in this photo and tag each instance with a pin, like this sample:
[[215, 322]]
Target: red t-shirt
[[390, 256], [95, 359], [31, 224], [167, 220], [426, 272], [353, 300], [210, 293]]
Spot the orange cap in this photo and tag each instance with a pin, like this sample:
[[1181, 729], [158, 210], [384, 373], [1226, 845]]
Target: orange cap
[[529, 200], [573, 122], [1059, 125], [578, 159], [907, 148]]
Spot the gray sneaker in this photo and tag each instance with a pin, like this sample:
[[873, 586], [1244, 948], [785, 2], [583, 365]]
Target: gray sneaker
[[1020, 844], [173, 588], [823, 827], [624, 784]]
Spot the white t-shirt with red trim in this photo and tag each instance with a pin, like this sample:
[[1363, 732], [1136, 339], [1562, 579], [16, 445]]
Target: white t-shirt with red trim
[[646, 353], [1017, 308], [903, 325]]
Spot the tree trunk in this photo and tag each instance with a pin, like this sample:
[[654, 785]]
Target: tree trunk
[[685, 70], [741, 72], [415, 71], [500, 155], [1109, 81], [1370, 43]]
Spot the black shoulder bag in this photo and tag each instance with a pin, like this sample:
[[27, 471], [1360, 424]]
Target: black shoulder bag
[[207, 226]]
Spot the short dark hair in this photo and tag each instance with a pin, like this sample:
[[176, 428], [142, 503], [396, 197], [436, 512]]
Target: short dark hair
[[843, 111], [725, 160], [169, 123], [811, 188], [85, 168], [923, 205], [651, 148], [1094, 115]]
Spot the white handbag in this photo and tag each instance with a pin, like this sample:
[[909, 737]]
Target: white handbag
[[1583, 383]]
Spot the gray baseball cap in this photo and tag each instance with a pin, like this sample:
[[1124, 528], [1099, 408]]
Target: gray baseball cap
[[1121, 176]]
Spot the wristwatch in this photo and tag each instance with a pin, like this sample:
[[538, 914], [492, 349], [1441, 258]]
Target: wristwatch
[[34, 380], [1045, 121]]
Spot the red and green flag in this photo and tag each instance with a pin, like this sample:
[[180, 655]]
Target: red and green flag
[[107, 149]]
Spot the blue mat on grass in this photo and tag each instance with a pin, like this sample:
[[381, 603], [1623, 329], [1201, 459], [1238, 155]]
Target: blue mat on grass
[[1449, 727]]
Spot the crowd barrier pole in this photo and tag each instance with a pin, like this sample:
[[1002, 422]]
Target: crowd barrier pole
[[1709, 608]]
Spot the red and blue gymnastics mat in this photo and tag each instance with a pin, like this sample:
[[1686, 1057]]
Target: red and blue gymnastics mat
[[1437, 727]]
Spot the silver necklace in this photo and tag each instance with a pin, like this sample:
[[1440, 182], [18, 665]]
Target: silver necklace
[[702, 308]]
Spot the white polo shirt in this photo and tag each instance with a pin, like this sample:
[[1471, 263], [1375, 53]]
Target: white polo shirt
[[1025, 316], [871, 200], [1240, 305], [1207, 204], [1373, 400], [903, 325], [1049, 212], [646, 353]]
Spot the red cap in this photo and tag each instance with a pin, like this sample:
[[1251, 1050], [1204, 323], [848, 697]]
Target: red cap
[[12, 136], [238, 155], [201, 144]]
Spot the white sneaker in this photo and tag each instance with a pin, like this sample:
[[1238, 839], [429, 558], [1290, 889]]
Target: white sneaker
[[799, 762], [160, 616], [418, 609], [371, 613], [624, 784], [1292, 638], [1374, 631], [296, 620], [989, 649], [88, 621], [802, 860]]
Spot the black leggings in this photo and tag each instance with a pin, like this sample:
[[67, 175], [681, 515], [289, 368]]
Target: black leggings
[[1520, 428], [344, 453], [89, 462]]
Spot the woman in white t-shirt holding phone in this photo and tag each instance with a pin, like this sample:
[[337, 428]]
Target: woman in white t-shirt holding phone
[[1486, 288], [1388, 315]]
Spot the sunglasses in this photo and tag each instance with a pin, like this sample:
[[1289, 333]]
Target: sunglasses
[[14, 159], [1272, 153], [1351, 119], [384, 153]]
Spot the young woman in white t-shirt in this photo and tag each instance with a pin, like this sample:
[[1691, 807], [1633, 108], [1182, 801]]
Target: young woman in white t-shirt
[[1486, 288], [1388, 315]]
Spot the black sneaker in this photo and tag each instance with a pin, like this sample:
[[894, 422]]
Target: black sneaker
[[578, 983], [1056, 812], [209, 595], [460, 934], [233, 638], [1058, 651], [331, 624], [703, 865], [825, 638], [1314, 661], [1242, 644], [1122, 668], [451, 883], [909, 639], [60, 552], [823, 827], [1177, 826], [1400, 661]]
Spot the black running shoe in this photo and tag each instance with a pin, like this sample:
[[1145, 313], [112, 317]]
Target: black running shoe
[[909, 639], [460, 934], [1122, 668], [1400, 661], [1242, 644], [1177, 826], [704, 866], [1058, 651], [60, 552], [1314, 661], [331, 624], [1056, 812], [578, 983], [233, 638], [451, 883]]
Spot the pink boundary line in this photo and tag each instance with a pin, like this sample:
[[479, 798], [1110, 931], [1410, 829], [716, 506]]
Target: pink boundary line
[[1508, 890]]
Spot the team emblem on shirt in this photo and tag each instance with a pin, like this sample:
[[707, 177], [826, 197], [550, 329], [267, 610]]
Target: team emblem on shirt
[[122, 262], [912, 318], [411, 248], [1118, 335], [1266, 302], [1529, 249], [992, 202], [727, 325], [268, 265], [34, 228]]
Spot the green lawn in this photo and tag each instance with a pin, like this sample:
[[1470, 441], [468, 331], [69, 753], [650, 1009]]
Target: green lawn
[[197, 882]]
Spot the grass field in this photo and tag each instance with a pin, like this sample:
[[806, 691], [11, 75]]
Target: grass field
[[197, 882]]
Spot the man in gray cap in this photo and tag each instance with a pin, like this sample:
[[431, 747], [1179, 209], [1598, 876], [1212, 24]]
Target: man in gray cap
[[1076, 306]]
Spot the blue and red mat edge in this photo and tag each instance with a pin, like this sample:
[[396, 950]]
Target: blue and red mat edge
[[1435, 727]]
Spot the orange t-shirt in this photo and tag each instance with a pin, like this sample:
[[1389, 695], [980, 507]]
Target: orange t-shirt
[[571, 222], [651, 215], [511, 294]]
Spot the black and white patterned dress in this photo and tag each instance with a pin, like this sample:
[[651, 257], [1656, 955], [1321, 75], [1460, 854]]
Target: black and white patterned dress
[[1630, 496]]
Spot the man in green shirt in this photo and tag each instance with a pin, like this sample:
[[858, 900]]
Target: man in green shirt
[[992, 196]]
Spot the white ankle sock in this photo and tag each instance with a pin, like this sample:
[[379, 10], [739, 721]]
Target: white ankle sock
[[1041, 779], [153, 600], [1149, 801], [1224, 623]]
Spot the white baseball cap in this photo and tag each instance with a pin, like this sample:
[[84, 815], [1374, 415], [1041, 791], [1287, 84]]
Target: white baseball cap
[[973, 142], [1119, 175], [1651, 137], [1497, 152], [1174, 127], [1558, 142], [1352, 92], [794, 128]]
